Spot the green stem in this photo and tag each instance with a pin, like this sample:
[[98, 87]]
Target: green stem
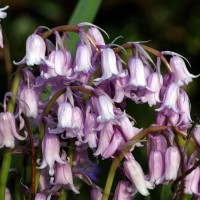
[[116, 162], [7, 156]]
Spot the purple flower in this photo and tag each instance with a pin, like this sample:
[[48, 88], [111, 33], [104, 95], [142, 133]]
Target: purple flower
[[156, 166], [63, 177], [65, 112], [137, 73], [180, 73], [124, 190], [184, 107], [50, 155], [105, 136], [196, 133], [96, 194], [2, 13], [154, 84], [108, 66], [83, 59], [117, 141], [96, 35], [8, 131], [90, 130], [40, 196], [59, 61], [35, 51], [170, 98], [105, 108], [192, 180], [172, 163], [135, 174], [29, 103]]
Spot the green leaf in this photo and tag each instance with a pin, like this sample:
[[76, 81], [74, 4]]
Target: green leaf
[[85, 11]]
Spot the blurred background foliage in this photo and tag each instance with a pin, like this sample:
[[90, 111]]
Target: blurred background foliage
[[169, 25]]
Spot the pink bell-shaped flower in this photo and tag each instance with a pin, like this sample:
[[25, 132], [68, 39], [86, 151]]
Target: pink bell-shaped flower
[[135, 174], [180, 74], [8, 131], [35, 51], [29, 103], [50, 152], [83, 59]]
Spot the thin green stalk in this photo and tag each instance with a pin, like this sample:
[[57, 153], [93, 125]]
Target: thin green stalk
[[7, 156], [116, 162]]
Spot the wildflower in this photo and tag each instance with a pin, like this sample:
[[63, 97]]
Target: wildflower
[[2, 16], [63, 177], [8, 131], [154, 84], [35, 51], [96, 194], [156, 166], [137, 73], [108, 66], [59, 61], [96, 35], [124, 190], [135, 174], [29, 103], [2, 13], [172, 163], [116, 142], [50, 155], [180, 73], [83, 59], [170, 98]]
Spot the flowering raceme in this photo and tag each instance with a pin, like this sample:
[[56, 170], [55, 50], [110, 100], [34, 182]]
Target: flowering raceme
[[75, 106]]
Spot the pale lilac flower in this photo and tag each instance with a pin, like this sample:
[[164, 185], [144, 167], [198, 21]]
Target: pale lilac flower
[[154, 84], [63, 177], [124, 190], [105, 137], [2, 13], [135, 174], [96, 194], [156, 166], [137, 73], [8, 131], [180, 74], [116, 142], [192, 180], [65, 115], [90, 130], [83, 59], [184, 107], [50, 155], [59, 61], [8, 195], [170, 98], [1, 37], [172, 163], [105, 108], [196, 133], [77, 124], [2, 16], [108, 66], [128, 129], [35, 51], [119, 91], [96, 35], [29, 103], [40, 196]]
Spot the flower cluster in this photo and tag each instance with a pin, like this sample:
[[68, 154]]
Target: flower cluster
[[78, 103]]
